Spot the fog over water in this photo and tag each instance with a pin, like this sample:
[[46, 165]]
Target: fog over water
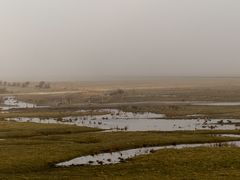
[[97, 39]]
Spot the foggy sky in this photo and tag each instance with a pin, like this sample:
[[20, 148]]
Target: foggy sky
[[91, 39]]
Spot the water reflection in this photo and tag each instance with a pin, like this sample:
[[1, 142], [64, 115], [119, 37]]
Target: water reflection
[[121, 156], [129, 123]]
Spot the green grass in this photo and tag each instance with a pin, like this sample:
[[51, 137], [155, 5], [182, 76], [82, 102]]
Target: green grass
[[10, 129], [196, 163], [31, 150], [47, 113]]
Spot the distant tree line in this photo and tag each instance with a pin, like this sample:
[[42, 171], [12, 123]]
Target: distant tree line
[[15, 84], [41, 84]]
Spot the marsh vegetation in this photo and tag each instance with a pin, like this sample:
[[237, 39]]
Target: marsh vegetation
[[32, 150], [39, 130]]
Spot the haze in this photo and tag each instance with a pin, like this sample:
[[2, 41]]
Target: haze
[[97, 39]]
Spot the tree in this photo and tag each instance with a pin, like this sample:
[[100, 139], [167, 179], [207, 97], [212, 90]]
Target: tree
[[43, 85], [25, 84]]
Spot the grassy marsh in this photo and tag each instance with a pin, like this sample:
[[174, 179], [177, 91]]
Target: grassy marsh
[[30, 151]]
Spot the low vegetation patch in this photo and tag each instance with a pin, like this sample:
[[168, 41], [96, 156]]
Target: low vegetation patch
[[30, 151]]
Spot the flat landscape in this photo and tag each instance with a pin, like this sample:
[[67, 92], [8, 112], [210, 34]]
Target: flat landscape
[[187, 128], [119, 90]]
